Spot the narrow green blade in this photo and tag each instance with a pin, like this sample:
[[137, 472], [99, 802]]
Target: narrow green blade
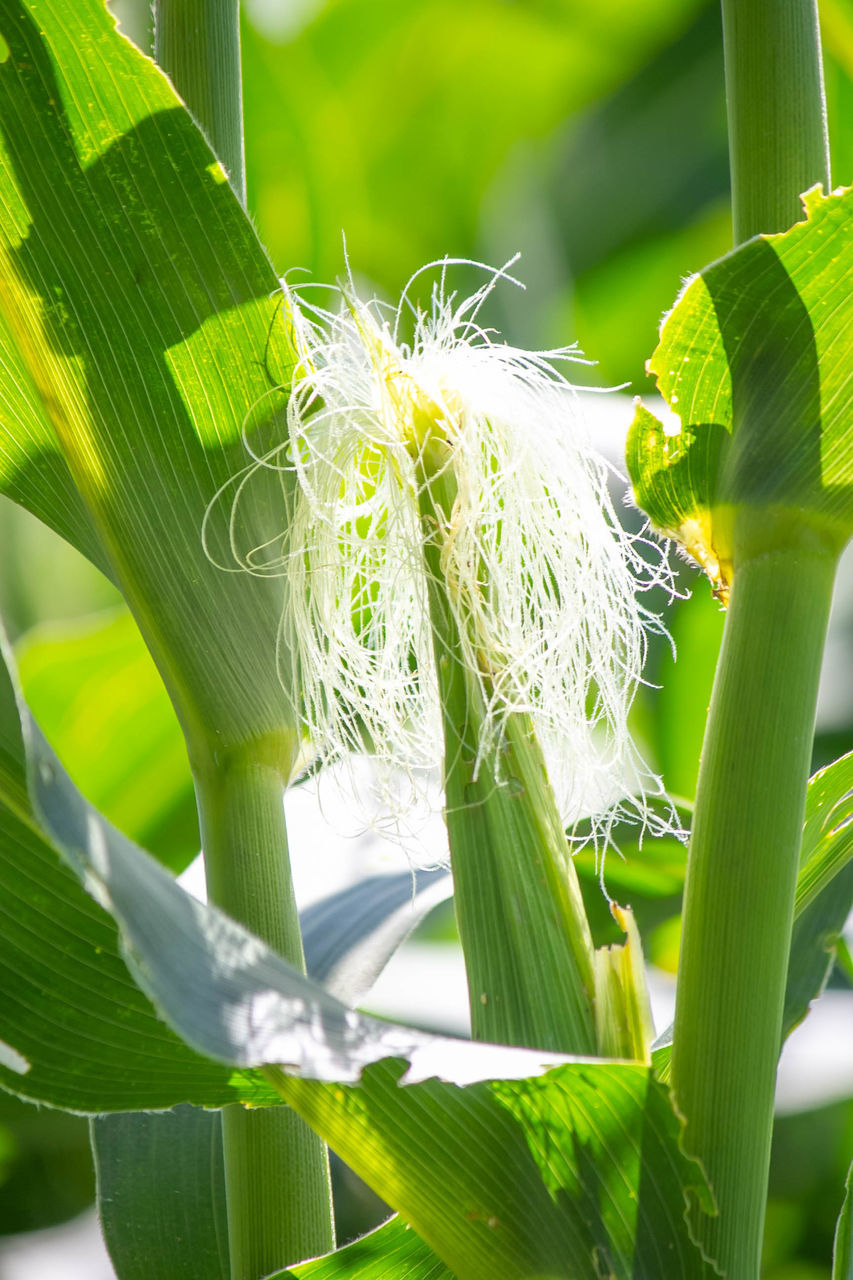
[[392, 1252], [828, 830], [81, 1035], [842, 1253], [161, 1194], [76, 1031]]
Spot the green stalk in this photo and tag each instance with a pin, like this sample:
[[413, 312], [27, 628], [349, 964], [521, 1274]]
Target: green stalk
[[744, 849], [524, 932], [197, 43], [777, 115], [276, 1169], [739, 899]]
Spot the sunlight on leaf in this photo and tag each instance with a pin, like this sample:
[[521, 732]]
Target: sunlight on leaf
[[549, 1177], [753, 361], [507, 1204], [138, 329], [824, 895]]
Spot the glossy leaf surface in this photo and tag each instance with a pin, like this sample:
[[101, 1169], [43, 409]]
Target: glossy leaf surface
[[349, 937], [160, 1175]]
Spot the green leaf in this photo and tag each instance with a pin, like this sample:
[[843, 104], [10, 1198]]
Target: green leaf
[[223, 989], [398, 81], [842, 1252], [824, 896], [685, 690], [161, 1194], [823, 901], [814, 937], [827, 831], [138, 334], [576, 1173], [753, 360], [581, 1169], [349, 937], [160, 1176], [45, 1166], [160, 1187], [76, 1031], [392, 1252], [96, 692]]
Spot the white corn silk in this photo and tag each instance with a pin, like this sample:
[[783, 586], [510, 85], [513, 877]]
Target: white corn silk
[[539, 575]]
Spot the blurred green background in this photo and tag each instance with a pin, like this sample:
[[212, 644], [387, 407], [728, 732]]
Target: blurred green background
[[591, 138]]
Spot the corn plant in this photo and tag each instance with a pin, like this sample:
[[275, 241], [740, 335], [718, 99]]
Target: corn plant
[[341, 538]]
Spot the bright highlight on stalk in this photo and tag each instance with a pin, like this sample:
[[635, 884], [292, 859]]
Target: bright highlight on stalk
[[539, 577]]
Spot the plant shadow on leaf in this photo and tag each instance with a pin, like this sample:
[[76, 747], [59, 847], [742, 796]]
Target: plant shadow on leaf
[[776, 439], [543, 1146], [140, 301], [751, 360]]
